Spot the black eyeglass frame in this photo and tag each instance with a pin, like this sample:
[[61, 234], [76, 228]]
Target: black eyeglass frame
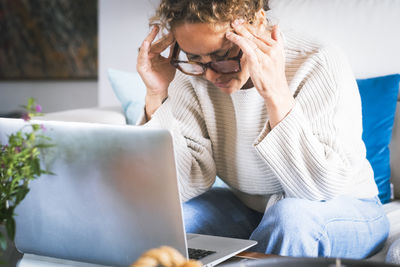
[[174, 62]]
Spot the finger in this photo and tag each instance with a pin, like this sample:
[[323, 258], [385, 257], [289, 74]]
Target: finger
[[240, 29], [265, 39], [249, 48], [276, 33], [162, 44], [143, 56], [171, 50], [242, 42], [144, 49], [252, 37], [152, 35]]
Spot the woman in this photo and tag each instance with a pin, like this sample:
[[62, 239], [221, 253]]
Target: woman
[[277, 117]]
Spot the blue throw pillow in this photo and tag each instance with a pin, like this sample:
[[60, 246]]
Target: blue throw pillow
[[379, 99], [130, 90]]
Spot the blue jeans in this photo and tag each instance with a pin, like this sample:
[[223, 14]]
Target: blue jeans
[[343, 227]]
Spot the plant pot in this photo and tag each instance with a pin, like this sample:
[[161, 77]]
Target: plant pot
[[10, 256]]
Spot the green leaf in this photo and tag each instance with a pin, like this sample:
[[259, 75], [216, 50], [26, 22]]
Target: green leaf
[[35, 127], [31, 103], [21, 194], [44, 145], [10, 227], [9, 213], [41, 136], [36, 166], [48, 172], [3, 242]]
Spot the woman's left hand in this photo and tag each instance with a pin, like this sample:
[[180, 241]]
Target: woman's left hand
[[265, 58]]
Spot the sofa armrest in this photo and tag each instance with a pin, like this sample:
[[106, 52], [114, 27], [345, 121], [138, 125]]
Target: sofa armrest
[[393, 255], [106, 115], [395, 153]]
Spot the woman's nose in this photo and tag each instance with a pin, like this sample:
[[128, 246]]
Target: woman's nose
[[211, 75]]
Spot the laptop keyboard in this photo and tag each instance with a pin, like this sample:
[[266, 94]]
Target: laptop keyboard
[[197, 254]]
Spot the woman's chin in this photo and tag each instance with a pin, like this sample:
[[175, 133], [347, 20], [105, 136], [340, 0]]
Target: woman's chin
[[228, 88]]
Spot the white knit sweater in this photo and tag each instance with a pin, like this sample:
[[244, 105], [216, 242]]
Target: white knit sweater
[[315, 152]]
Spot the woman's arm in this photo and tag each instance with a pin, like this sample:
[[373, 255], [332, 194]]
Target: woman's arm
[[316, 150], [182, 115], [172, 104], [315, 146]]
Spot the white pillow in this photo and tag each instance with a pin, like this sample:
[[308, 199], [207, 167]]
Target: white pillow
[[368, 31]]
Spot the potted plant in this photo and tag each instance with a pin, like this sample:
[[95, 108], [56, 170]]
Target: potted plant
[[19, 165]]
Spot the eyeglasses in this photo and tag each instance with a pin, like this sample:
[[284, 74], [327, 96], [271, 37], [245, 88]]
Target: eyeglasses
[[224, 66]]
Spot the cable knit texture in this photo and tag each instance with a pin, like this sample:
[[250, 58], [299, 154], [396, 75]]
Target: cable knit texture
[[315, 152]]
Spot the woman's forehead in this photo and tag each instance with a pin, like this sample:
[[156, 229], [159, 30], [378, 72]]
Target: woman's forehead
[[202, 38]]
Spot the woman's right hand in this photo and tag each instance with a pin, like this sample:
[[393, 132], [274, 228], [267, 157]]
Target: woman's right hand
[[155, 70]]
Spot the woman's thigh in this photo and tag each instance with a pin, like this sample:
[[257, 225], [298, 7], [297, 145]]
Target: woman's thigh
[[342, 227], [219, 212]]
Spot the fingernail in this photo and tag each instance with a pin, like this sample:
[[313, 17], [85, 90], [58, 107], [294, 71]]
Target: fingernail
[[228, 34]]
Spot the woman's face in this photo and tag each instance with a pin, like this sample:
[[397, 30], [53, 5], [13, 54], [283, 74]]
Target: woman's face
[[203, 42]]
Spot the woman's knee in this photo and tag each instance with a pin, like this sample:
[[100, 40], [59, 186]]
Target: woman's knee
[[219, 212], [288, 228], [198, 213]]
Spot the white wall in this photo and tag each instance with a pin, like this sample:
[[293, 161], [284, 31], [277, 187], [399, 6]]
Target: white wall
[[123, 24], [52, 95]]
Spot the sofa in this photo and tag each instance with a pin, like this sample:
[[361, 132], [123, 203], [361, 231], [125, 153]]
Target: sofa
[[367, 31]]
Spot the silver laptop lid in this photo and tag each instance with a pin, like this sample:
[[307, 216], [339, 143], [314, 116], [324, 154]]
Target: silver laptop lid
[[95, 209]]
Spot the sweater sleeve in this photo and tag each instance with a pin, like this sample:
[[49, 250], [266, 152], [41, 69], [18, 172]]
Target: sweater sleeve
[[182, 115], [317, 148]]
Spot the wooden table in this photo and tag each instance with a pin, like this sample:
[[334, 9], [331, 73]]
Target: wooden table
[[255, 255]]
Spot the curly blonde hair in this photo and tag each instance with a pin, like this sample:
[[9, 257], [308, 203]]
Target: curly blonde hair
[[173, 12]]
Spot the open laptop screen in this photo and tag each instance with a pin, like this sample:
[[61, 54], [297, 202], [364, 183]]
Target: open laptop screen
[[114, 194]]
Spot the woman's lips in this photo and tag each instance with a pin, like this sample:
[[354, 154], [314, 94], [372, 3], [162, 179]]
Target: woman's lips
[[222, 84]]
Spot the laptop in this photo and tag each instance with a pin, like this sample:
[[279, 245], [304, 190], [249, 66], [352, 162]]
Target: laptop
[[114, 195]]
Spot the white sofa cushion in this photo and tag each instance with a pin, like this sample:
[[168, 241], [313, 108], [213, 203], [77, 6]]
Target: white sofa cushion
[[392, 210], [108, 115], [393, 255], [367, 31]]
